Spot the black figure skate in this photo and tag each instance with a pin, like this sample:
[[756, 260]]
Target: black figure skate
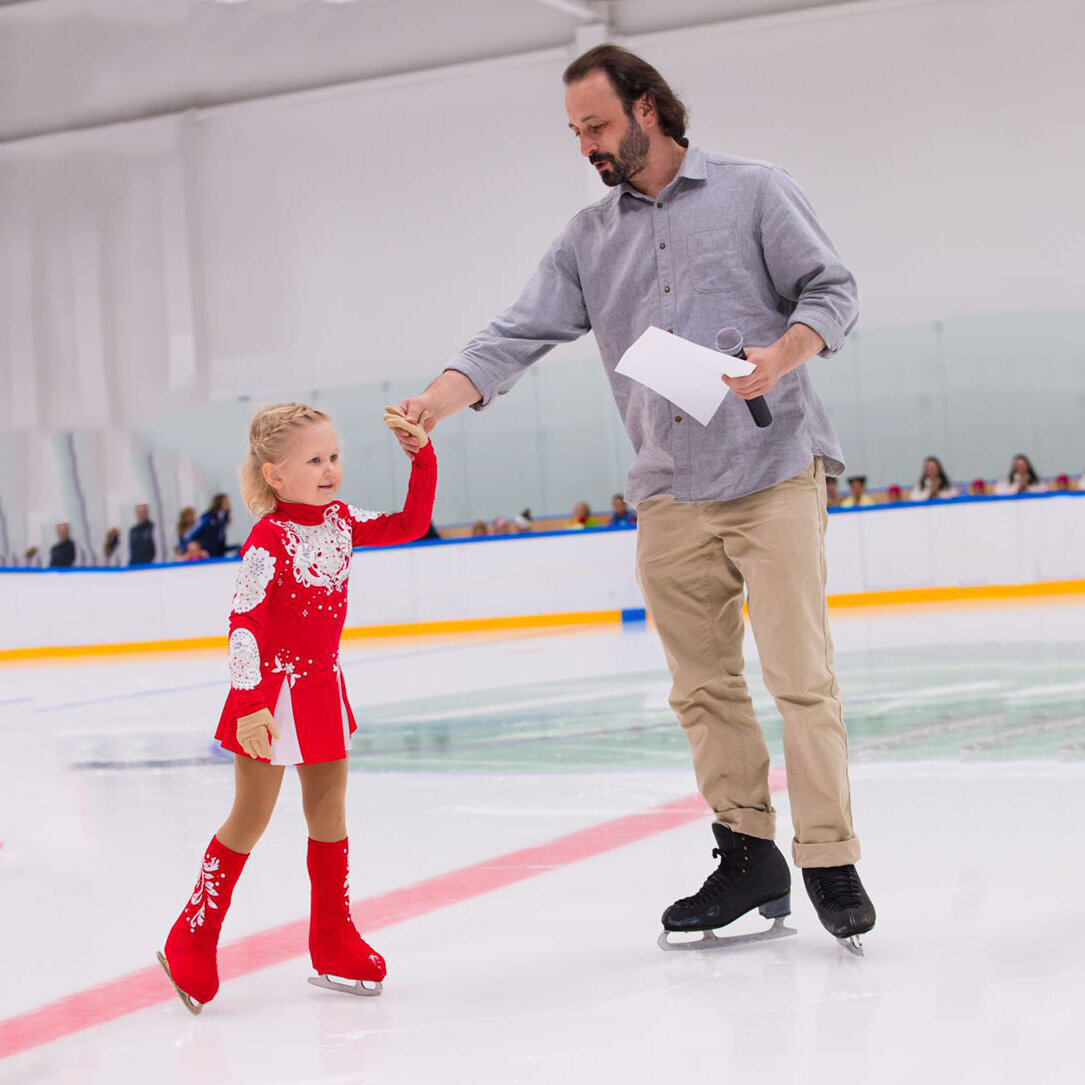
[[752, 874], [841, 903]]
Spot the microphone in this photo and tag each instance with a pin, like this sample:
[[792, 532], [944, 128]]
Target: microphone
[[729, 341]]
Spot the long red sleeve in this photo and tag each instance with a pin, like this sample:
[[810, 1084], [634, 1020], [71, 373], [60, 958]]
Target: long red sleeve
[[388, 529]]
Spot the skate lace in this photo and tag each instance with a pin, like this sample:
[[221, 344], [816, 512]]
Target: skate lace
[[732, 867], [840, 888]]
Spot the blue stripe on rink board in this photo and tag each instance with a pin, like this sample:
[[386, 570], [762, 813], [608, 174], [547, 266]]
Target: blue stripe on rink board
[[634, 614]]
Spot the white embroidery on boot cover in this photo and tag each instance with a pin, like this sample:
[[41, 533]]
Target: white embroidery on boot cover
[[204, 893], [257, 569], [346, 885], [244, 660]]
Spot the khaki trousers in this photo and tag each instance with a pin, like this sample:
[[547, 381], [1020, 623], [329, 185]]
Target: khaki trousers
[[692, 562]]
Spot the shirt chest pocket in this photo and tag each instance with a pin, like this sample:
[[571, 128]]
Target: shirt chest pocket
[[714, 263]]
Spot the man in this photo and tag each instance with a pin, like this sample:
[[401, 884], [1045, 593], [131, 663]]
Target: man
[[693, 241], [62, 553], [858, 498], [141, 548]]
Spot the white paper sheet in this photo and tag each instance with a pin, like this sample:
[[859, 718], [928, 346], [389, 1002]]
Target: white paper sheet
[[683, 372]]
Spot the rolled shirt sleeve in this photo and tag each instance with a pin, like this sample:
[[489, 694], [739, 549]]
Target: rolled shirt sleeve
[[549, 311], [803, 263]]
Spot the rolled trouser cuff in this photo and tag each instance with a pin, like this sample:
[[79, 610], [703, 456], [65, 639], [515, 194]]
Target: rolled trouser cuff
[[838, 853], [750, 822]]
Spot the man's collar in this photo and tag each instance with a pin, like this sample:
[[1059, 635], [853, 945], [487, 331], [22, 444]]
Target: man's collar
[[694, 167], [694, 164]]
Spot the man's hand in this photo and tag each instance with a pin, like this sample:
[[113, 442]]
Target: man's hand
[[447, 394], [253, 733], [796, 346], [771, 366]]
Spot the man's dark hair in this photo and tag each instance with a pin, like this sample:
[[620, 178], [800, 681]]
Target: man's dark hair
[[632, 79]]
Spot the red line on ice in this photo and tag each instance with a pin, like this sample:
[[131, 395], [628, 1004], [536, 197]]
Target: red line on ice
[[149, 987]]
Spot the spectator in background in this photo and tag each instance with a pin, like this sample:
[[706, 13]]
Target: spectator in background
[[185, 523], [581, 517], [523, 523], [210, 530], [1022, 479], [621, 514], [480, 529], [141, 549], [977, 488], [111, 547], [1062, 482], [858, 498], [934, 482], [62, 555], [502, 526], [32, 558], [893, 495], [194, 552], [832, 497]]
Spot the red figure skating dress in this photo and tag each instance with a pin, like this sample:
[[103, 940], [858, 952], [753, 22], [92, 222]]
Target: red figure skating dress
[[288, 611]]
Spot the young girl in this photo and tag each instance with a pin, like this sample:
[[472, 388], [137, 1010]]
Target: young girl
[[288, 703]]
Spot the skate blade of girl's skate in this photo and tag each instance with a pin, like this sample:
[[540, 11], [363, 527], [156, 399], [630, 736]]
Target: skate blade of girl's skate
[[356, 988], [853, 945], [711, 940], [191, 1004]]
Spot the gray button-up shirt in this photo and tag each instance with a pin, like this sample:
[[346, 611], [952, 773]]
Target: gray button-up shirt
[[729, 242]]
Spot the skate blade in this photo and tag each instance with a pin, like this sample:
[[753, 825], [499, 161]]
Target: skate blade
[[358, 987], [854, 945], [711, 940], [191, 1004]]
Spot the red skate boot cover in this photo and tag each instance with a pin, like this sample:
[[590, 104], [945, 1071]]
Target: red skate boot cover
[[335, 946], [191, 956]]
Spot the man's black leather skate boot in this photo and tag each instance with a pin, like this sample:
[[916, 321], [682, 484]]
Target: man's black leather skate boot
[[841, 903], [752, 874]]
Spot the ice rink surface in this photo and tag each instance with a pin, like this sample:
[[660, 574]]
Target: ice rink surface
[[968, 744]]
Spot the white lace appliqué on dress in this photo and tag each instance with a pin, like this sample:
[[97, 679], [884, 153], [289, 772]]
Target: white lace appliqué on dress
[[363, 515], [320, 552], [257, 569], [244, 660], [287, 670]]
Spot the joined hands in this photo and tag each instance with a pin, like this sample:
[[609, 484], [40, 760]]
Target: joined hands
[[412, 435]]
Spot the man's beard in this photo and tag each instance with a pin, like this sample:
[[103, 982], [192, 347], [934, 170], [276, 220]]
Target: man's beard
[[631, 158]]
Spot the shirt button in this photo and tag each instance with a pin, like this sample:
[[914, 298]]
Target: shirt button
[[659, 205], [663, 244], [666, 290], [678, 418]]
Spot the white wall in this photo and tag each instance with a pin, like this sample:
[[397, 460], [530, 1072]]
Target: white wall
[[881, 549], [357, 237]]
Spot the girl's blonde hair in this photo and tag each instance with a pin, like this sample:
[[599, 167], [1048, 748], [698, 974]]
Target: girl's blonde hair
[[270, 432]]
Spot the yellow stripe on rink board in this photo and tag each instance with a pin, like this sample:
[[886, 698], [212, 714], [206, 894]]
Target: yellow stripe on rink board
[[139, 647], [484, 625], [978, 593], [908, 597], [375, 632]]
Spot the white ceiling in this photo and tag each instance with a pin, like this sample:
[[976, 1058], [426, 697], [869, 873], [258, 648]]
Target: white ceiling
[[76, 63]]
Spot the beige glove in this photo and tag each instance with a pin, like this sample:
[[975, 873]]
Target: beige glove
[[252, 733], [394, 419]]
